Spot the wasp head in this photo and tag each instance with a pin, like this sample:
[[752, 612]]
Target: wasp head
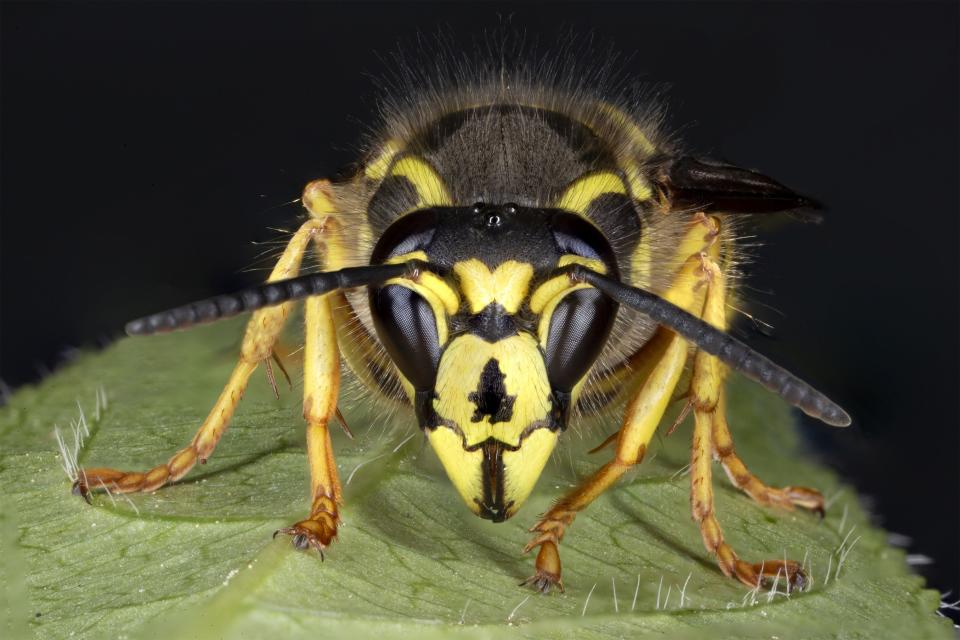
[[493, 345]]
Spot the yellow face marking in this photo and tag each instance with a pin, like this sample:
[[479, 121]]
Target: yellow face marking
[[590, 263], [506, 285], [406, 257], [377, 168], [558, 284], [584, 190], [436, 304], [524, 379], [543, 328], [548, 291], [522, 426], [431, 190], [438, 286], [522, 468], [462, 466]]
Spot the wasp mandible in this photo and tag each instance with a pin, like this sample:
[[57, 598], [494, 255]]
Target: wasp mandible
[[510, 254]]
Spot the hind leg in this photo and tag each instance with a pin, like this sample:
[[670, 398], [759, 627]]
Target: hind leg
[[712, 434], [743, 479]]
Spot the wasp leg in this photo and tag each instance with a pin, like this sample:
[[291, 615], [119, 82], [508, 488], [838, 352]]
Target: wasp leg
[[622, 380], [743, 479], [643, 414], [361, 351], [262, 332], [706, 391], [655, 370], [321, 381], [321, 372]]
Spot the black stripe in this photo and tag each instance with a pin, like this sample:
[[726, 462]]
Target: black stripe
[[394, 195], [492, 507]]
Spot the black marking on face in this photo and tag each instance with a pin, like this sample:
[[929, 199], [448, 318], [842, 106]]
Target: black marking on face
[[493, 323], [491, 396], [492, 507], [560, 410]]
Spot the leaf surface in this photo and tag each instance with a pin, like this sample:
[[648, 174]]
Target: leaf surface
[[197, 560]]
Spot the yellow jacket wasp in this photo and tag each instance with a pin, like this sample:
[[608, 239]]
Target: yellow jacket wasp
[[510, 254]]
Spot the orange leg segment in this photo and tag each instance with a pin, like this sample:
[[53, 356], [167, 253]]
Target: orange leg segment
[[711, 434], [262, 333], [321, 385], [700, 289]]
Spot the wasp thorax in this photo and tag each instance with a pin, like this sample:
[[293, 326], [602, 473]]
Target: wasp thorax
[[493, 345]]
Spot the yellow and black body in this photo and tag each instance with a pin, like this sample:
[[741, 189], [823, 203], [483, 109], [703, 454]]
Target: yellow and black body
[[511, 255]]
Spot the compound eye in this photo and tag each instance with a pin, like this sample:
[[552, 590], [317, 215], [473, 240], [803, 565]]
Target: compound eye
[[579, 327], [407, 327]]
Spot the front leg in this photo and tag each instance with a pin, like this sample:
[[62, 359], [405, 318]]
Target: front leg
[[668, 353], [263, 329], [321, 385]]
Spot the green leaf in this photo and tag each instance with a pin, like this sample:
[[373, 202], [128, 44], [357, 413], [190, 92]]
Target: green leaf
[[197, 559]]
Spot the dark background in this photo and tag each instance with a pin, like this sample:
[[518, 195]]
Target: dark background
[[145, 146]]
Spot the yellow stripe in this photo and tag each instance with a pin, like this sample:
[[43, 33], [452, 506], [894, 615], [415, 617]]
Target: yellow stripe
[[436, 304], [430, 188], [377, 168], [641, 148], [554, 286], [585, 189], [640, 262], [507, 284], [547, 291], [437, 285], [637, 137], [638, 183], [406, 257], [590, 263]]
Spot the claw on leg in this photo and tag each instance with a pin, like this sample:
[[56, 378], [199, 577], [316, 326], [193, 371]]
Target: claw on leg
[[310, 534], [319, 530], [767, 573], [206, 438], [547, 573]]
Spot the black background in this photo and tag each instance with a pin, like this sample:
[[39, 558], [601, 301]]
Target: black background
[[145, 146]]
